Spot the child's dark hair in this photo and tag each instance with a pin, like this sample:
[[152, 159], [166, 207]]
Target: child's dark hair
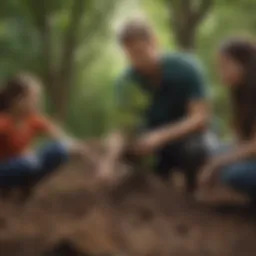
[[133, 30], [14, 88], [243, 97]]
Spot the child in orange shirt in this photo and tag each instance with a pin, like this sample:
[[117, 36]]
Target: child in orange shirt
[[20, 123]]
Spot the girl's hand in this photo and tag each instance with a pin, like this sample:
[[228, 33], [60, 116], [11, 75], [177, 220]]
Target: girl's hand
[[77, 149], [209, 174], [81, 150]]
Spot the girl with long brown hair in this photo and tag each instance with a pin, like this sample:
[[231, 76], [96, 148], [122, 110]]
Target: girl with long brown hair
[[237, 168]]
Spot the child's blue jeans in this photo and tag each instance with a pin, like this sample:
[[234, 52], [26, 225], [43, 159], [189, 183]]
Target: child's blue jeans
[[18, 171]]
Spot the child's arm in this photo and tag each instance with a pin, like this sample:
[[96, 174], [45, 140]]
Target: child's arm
[[52, 130], [55, 132]]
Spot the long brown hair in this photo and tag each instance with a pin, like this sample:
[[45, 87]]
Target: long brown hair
[[14, 88], [243, 96]]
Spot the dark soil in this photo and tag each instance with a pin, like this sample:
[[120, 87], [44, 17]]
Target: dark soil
[[71, 215]]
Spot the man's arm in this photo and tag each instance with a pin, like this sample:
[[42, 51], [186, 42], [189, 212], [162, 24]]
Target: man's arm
[[196, 120], [197, 114], [125, 122]]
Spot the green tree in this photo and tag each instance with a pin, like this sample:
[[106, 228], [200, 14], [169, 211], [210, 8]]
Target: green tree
[[223, 18], [62, 35], [185, 18]]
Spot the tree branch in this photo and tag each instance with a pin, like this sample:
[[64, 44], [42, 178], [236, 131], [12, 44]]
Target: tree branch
[[99, 18], [202, 10], [41, 16], [65, 71], [70, 42]]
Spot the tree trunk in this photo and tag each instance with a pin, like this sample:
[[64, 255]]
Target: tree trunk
[[65, 72], [186, 16], [57, 78], [186, 38]]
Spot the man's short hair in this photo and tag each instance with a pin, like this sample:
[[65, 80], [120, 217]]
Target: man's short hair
[[133, 30]]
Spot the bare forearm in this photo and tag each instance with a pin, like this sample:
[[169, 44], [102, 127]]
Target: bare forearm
[[244, 151], [55, 132], [114, 146], [158, 138]]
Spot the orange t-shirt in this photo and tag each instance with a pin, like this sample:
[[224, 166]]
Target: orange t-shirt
[[14, 140]]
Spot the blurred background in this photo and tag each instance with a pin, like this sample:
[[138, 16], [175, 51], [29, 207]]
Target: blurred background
[[71, 45]]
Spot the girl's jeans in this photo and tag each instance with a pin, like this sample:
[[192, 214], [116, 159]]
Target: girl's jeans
[[18, 171], [240, 175]]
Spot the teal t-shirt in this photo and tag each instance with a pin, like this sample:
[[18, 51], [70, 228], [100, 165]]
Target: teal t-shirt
[[144, 105]]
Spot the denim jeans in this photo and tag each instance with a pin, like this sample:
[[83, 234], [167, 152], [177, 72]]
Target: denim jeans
[[240, 175], [18, 171]]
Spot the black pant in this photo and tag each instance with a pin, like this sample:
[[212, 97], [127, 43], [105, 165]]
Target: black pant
[[188, 155]]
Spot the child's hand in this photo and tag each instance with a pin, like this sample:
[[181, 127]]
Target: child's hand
[[81, 150]]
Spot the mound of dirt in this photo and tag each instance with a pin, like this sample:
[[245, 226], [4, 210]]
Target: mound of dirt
[[70, 215]]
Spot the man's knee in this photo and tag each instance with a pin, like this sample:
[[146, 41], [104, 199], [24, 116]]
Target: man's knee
[[195, 151], [193, 156]]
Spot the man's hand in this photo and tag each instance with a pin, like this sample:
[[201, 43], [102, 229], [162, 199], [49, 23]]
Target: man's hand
[[196, 120]]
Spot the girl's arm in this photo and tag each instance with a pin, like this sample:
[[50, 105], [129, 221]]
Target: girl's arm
[[243, 151], [214, 166], [55, 132]]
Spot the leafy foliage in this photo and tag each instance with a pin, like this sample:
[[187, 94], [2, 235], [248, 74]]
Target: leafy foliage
[[70, 45]]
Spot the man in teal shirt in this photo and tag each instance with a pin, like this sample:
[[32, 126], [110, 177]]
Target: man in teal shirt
[[161, 98]]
